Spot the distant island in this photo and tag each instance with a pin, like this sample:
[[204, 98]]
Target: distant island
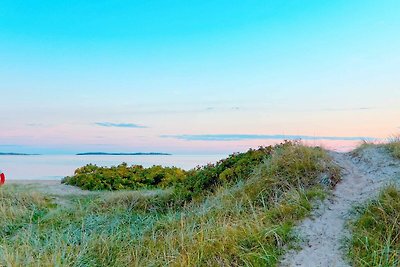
[[17, 154], [123, 154]]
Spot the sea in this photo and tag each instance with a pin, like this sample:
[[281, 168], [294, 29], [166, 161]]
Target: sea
[[55, 167]]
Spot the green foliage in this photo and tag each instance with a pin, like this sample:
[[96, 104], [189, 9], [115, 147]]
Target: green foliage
[[188, 184], [206, 179], [244, 218], [122, 177], [375, 237]]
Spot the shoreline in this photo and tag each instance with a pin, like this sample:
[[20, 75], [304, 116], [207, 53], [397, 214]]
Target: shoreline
[[26, 181]]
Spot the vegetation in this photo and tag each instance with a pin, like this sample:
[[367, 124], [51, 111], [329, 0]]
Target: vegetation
[[92, 177], [394, 146], [236, 167], [194, 182], [243, 217], [375, 237]]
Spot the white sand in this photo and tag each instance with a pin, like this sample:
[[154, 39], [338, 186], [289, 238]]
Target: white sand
[[323, 235], [52, 187]]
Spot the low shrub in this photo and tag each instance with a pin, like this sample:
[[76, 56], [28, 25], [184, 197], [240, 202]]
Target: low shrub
[[122, 177], [237, 166], [205, 179]]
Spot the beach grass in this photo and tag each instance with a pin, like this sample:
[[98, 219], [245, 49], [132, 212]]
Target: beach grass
[[394, 146], [245, 223], [375, 239]]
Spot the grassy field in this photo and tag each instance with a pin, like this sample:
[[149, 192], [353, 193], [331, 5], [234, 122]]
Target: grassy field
[[243, 222], [376, 231]]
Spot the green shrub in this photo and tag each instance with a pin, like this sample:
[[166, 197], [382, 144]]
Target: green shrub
[[92, 177], [205, 179], [236, 167]]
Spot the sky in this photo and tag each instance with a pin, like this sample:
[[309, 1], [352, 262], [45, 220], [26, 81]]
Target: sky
[[196, 76]]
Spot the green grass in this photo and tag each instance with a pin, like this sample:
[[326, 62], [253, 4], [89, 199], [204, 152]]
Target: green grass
[[375, 237], [245, 222]]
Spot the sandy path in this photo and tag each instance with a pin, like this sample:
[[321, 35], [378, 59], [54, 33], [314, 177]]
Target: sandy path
[[322, 235]]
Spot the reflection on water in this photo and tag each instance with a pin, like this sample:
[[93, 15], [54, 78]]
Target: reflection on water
[[57, 166]]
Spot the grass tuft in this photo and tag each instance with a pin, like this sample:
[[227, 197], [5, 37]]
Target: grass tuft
[[394, 146], [375, 237]]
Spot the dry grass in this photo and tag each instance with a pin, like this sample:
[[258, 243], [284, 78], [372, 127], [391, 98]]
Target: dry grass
[[394, 146]]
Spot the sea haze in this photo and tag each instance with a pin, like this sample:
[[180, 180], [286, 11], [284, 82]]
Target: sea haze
[[49, 167]]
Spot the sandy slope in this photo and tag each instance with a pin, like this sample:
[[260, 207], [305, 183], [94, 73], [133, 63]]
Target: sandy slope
[[322, 235], [52, 187]]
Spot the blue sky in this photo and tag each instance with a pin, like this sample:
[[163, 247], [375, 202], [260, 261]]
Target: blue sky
[[123, 75]]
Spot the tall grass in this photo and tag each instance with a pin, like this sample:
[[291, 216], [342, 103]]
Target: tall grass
[[375, 237], [247, 223], [394, 146]]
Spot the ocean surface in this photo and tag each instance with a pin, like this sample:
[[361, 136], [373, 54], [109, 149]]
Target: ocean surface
[[50, 167]]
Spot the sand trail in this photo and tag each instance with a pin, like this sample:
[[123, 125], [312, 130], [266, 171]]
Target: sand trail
[[363, 174]]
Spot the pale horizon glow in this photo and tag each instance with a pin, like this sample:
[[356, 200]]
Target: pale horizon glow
[[196, 78]]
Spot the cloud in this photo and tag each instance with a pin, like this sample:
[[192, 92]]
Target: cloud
[[38, 125], [119, 125], [348, 109], [238, 137]]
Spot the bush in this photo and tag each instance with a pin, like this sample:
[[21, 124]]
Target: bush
[[92, 177], [237, 166], [205, 179]]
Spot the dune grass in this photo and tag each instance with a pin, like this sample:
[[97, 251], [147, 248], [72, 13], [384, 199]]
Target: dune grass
[[375, 237], [361, 146], [394, 146], [245, 223]]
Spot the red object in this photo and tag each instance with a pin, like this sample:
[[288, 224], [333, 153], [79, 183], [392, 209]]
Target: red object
[[2, 178]]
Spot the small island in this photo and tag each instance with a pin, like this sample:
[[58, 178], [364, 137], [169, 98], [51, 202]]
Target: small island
[[16, 154], [123, 154]]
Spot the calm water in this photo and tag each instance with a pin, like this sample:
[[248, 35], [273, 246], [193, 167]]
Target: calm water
[[45, 167]]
